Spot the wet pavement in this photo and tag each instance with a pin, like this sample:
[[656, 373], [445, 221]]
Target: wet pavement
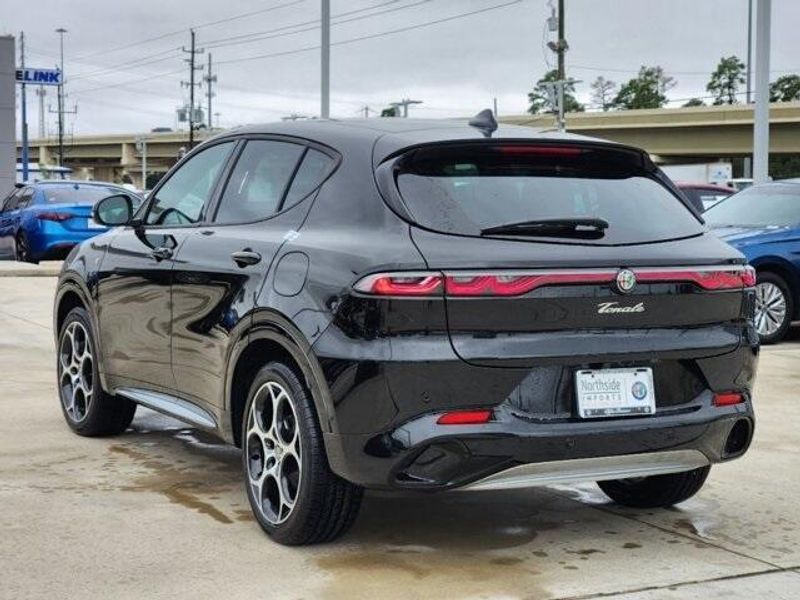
[[161, 512]]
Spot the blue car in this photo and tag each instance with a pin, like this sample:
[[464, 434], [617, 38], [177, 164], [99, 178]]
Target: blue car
[[44, 220], [763, 222]]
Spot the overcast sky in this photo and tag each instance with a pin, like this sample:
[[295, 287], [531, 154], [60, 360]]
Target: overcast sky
[[456, 66]]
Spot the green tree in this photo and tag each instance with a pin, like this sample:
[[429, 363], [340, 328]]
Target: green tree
[[725, 80], [390, 111], [540, 100], [647, 90], [603, 92], [694, 102], [785, 89]]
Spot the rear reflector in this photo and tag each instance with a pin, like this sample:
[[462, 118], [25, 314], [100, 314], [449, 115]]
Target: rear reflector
[[516, 283], [54, 216], [728, 399], [465, 417]]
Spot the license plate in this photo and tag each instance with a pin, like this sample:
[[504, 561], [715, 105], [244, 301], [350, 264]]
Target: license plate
[[615, 392], [92, 224]]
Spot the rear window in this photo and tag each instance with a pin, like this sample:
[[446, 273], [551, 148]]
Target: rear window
[[772, 204], [466, 189], [76, 193]]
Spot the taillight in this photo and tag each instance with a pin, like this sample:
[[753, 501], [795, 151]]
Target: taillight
[[54, 216], [708, 279], [515, 284], [401, 284], [465, 417], [466, 284], [728, 399]]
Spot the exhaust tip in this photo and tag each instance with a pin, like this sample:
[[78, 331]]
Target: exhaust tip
[[738, 438]]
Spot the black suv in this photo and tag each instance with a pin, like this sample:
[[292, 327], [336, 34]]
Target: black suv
[[420, 305]]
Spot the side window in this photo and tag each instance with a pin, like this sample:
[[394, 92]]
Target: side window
[[181, 199], [309, 176], [258, 180], [10, 201], [24, 199]]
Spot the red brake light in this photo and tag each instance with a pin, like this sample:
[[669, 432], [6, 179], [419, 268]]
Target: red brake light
[[54, 216], [401, 284], [728, 399], [710, 279], [541, 150], [515, 284], [465, 417]]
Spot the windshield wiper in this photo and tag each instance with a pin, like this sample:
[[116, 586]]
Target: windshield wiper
[[583, 228]]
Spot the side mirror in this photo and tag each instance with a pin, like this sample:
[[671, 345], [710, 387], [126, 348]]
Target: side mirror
[[113, 210]]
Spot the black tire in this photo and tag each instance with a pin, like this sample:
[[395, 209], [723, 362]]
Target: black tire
[[104, 414], [656, 491], [22, 250], [325, 505], [767, 277]]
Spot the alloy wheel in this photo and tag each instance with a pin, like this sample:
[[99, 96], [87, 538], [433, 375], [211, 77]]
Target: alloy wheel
[[76, 366], [770, 308], [272, 445]]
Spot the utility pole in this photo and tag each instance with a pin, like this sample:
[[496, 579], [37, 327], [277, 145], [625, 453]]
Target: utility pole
[[25, 156], [365, 111], [761, 113], [217, 115], [404, 103], [748, 160], [325, 58], [61, 31], [41, 94], [192, 52], [210, 81], [494, 103], [561, 49], [141, 145]]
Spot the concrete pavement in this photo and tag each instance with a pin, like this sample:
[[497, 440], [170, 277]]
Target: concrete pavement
[[161, 512]]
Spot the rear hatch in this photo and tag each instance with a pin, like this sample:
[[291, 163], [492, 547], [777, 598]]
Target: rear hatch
[[575, 253], [70, 204]]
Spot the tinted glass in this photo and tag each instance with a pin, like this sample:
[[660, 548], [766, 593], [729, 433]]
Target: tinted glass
[[10, 202], [24, 199], [464, 189], [257, 183], [77, 193], [181, 199], [774, 204], [312, 171]]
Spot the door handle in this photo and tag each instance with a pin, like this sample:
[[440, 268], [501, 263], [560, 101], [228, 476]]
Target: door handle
[[161, 253], [246, 257]]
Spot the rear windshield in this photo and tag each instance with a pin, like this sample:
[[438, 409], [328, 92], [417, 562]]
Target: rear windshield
[[467, 189], [773, 204], [76, 193]]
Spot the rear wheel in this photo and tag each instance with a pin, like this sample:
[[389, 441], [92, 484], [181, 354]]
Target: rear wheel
[[294, 495], [655, 491], [22, 250], [774, 308], [87, 408]]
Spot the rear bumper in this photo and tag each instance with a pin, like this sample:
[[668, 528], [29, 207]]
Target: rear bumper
[[55, 241], [514, 452]]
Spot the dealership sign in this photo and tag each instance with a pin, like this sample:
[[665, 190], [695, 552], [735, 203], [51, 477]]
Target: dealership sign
[[39, 76]]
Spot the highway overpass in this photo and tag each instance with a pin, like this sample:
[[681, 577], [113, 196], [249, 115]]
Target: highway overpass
[[671, 135]]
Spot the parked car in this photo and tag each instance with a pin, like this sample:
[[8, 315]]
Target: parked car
[[415, 305], [704, 195], [763, 222], [45, 220]]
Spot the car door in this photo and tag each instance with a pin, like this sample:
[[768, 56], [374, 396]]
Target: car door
[[222, 265], [7, 208], [135, 277]]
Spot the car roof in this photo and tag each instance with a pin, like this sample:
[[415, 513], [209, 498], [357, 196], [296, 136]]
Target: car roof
[[389, 135]]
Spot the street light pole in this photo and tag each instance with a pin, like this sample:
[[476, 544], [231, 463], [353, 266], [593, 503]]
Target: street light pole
[[25, 157], [562, 49], [748, 160], [761, 113], [325, 56]]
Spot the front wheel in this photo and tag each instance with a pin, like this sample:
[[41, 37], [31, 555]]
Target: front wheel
[[655, 491], [89, 410], [774, 308], [293, 493]]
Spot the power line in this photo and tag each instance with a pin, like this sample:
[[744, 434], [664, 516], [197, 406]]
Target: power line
[[125, 83], [183, 30], [139, 62], [374, 35], [312, 26]]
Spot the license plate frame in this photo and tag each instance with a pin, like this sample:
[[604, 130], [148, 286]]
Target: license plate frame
[[617, 392]]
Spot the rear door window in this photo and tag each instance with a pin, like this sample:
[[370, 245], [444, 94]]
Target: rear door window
[[469, 188], [258, 181], [311, 173]]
